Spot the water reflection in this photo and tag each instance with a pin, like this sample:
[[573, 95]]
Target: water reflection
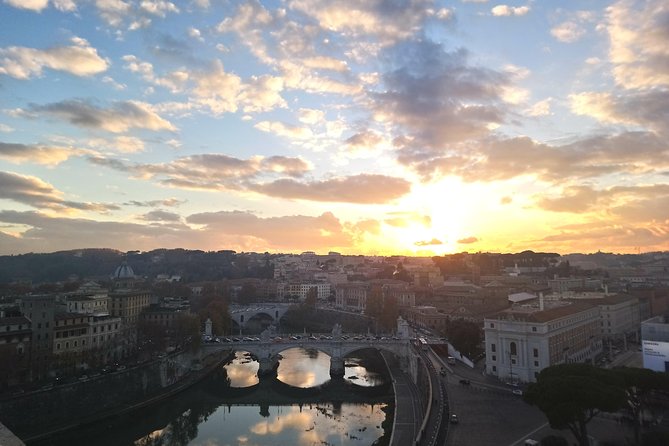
[[321, 424], [301, 367], [358, 374], [242, 371]]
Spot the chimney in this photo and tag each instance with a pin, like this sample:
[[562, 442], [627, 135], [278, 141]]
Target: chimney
[[541, 301]]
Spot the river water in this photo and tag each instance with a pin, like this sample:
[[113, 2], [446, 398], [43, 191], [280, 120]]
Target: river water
[[302, 407]]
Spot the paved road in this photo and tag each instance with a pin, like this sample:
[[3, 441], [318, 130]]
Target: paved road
[[408, 413]]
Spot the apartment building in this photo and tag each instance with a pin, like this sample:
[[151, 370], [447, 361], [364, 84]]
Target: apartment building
[[525, 339]]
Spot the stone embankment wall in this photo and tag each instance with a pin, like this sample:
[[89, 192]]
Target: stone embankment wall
[[35, 414]]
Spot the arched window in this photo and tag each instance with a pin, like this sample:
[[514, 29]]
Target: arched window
[[514, 351]]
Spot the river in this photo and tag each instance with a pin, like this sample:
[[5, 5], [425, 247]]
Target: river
[[301, 407]]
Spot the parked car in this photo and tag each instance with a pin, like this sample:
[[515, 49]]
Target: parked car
[[517, 392], [465, 382], [454, 419]]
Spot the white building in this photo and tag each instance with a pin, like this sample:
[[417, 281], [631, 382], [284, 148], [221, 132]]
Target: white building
[[352, 296], [655, 343], [302, 289], [525, 339]]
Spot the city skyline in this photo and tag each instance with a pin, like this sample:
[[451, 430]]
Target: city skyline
[[415, 127]]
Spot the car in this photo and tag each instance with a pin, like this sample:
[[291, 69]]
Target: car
[[465, 382], [517, 392], [454, 419], [442, 372]]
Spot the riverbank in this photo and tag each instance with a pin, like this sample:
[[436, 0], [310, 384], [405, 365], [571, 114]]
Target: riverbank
[[38, 415]]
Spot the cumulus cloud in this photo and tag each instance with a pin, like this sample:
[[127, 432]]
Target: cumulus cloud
[[638, 34], [289, 232], [160, 215], [33, 5], [468, 240], [506, 10], [158, 8], [34, 192], [361, 189], [434, 98], [645, 108], [432, 242], [37, 153], [122, 144], [568, 32], [284, 130], [119, 117], [210, 171], [387, 21], [240, 231], [79, 59], [502, 159]]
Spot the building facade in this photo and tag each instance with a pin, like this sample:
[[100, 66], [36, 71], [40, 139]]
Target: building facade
[[523, 340]]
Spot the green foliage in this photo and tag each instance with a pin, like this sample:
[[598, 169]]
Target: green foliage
[[465, 336], [570, 395]]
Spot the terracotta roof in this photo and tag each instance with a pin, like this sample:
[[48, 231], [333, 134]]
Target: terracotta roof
[[545, 315]]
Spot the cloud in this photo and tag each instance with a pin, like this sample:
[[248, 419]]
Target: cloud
[[289, 232], [506, 200], [404, 219], [638, 34], [210, 171], [240, 231], [503, 159], [387, 21], [33, 5], [434, 99], [311, 116], [506, 10], [284, 130], [645, 203], [540, 108], [645, 108], [568, 32], [120, 117], [170, 202], [432, 242], [32, 191], [122, 144], [79, 59], [468, 240], [361, 189], [37, 153], [158, 8], [160, 215]]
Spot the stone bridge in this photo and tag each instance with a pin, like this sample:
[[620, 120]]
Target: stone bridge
[[268, 351], [268, 348], [242, 313]]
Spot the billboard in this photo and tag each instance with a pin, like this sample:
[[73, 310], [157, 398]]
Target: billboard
[[656, 356]]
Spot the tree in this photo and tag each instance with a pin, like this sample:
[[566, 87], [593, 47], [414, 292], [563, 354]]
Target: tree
[[465, 336], [374, 304], [389, 314], [570, 395], [310, 300], [639, 384], [247, 294]]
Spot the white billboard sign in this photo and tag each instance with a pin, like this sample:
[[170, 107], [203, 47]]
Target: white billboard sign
[[656, 356]]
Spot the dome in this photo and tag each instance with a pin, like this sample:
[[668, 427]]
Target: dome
[[124, 272]]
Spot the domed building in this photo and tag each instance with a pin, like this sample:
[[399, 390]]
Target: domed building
[[124, 277], [127, 301]]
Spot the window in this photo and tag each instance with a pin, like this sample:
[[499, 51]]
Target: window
[[494, 357], [493, 348], [534, 329], [492, 325], [536, 363], [514, 350], [513, 361], [494, 368], [535, 352]]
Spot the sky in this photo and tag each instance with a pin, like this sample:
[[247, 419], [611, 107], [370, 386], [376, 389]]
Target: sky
[[377, 127]]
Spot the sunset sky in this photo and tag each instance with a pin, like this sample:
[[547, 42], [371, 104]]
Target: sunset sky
[[361, 126]]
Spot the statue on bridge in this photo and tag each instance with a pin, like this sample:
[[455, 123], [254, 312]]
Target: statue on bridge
[[336, 332], [268, 334]]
